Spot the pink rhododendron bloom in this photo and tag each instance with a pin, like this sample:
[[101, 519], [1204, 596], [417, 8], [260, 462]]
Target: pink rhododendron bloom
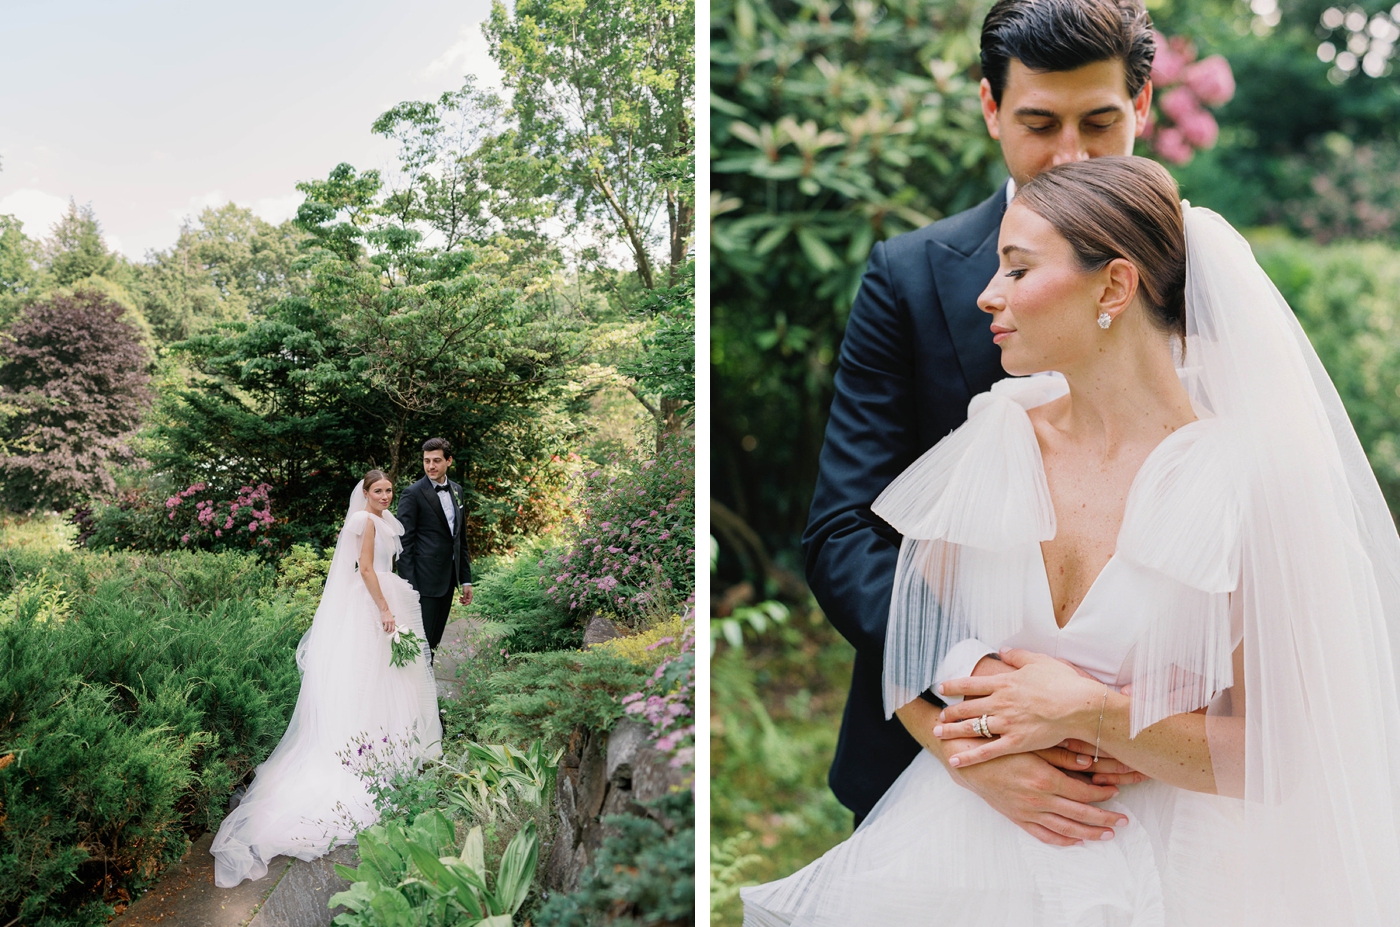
[[1200, 129], [1212, 80], [1168, 63], [1180, 104], [218, 532], [1171, 145]]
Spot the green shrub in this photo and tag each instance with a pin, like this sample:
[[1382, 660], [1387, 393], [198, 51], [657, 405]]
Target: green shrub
[[1347, 297], [135, 692], [643, 875], [547, 695], [510, 591]]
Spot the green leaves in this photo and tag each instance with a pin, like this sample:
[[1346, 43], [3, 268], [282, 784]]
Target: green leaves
[[424, 889]]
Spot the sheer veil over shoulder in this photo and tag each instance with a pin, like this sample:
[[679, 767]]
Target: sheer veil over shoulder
[[1261, 525], [305, 796]]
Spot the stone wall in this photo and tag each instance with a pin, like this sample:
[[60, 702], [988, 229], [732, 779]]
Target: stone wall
[[603, 773]]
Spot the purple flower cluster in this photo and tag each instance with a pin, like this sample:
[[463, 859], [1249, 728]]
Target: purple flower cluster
[[1194, 85], [667, 702], [635, 543], [205, 524]]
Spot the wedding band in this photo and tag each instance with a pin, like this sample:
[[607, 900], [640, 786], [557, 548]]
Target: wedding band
[[980, 725]]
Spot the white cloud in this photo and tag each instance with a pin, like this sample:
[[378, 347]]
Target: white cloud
[[468, 55], [113, 243], [277, 209], [36, 209], [197, 204]]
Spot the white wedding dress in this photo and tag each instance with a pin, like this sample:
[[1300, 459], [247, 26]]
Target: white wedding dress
[[932, 852], [1259, 530], [353, 703]]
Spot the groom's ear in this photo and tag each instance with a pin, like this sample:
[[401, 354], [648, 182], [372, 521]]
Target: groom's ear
[[989, 109], [1142, 106]]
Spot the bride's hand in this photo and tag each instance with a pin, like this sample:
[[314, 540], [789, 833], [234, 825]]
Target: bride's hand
[[1043, 702], [387, 619]]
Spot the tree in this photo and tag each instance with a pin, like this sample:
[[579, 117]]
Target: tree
[[19, 266], [609, 87], [75, 249], [225, 265], [76, 373]]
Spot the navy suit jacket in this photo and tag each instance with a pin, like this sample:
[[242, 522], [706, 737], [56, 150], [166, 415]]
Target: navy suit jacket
[[915, 352], [435, 559]]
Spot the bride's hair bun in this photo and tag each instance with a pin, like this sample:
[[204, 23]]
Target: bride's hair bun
[[372, 477], [1120, 207]]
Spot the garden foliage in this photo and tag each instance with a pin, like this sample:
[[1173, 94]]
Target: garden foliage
[[834, 125], [136, 693], [634, 546], [510, 591], [547, 695], [643, 875]]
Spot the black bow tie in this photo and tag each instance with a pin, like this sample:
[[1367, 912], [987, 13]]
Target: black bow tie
[[441, 488]]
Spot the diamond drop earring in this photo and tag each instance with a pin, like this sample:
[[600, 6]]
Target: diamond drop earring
[[1105, 320]]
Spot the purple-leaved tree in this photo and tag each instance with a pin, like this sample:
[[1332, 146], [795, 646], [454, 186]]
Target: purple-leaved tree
[[74, 373]]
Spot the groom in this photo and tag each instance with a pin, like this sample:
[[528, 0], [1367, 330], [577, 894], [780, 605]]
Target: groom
[[1063, 80], [435, 560]]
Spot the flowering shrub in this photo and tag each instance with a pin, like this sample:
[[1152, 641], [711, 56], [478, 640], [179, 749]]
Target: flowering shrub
[[1184, 87], [196, 517], [635, 544], [667, 701]]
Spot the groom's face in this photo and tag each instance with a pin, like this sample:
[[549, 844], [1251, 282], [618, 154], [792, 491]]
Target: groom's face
[[435, 465], [1047, 118]]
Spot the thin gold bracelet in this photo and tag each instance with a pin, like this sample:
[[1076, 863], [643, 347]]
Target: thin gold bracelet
[[1099, 736]]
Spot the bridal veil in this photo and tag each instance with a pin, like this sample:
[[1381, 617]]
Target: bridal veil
[[1281, 619]]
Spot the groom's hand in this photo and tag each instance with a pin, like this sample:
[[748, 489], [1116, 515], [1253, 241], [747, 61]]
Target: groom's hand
[[1049, 804], [466, 595]]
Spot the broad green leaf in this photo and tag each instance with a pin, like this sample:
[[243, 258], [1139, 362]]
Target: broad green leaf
[[474, 850], [518, 868]]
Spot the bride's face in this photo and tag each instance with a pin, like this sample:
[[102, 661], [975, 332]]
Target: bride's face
[[380, 494], [1042, 303]]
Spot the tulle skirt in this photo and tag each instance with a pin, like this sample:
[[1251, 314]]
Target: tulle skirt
[[353, 705], [934, 853]]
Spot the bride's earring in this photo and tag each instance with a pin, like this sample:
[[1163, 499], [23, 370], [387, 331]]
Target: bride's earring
[[1105, 320]]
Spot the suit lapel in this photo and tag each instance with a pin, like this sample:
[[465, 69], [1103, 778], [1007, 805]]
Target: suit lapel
[[961, 271], [436, 503]]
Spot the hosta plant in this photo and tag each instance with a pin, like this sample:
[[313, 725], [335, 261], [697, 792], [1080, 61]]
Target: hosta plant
[[404, 881]]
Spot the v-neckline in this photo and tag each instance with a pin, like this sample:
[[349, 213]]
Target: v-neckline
[[1045, 567]]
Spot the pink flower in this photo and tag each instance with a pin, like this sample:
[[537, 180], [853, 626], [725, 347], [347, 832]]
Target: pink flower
[[1180, 104], [185, 539], [1212, 80], [252, 526], [218, 532], [1200, 129], [1167, 64], [1171, 145]]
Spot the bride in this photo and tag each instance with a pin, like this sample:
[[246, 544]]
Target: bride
[[305, 795], [1178, 549]]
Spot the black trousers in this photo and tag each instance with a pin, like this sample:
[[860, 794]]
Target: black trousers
[[435, 610]]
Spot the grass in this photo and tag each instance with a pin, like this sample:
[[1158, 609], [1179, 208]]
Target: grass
[[775, 712], [49, 532]]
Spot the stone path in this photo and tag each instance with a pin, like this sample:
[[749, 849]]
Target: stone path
[[293, 893]]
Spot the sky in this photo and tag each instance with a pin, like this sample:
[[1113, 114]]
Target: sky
[[151, 111]]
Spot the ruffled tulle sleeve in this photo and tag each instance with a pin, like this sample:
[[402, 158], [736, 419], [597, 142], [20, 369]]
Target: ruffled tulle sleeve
[[1181, 535], [973, 511], [355, 524]]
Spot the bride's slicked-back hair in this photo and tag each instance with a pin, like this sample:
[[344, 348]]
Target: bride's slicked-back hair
[[1120, 207], [372, 477]]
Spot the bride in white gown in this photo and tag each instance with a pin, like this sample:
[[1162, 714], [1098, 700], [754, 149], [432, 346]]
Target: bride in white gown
[[304, 796], [1183, 512]]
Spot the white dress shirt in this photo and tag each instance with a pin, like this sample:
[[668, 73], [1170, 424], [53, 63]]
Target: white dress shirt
[[448, 509]]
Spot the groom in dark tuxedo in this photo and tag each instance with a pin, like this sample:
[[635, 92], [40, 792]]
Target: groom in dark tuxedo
[[435, 560], [1063, 80]]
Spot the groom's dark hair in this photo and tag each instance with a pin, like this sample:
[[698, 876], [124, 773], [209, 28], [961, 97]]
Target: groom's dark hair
[[1061, 35], [438, 444]]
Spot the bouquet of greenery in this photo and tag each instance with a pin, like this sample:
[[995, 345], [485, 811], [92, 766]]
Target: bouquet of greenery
[[406, 646]]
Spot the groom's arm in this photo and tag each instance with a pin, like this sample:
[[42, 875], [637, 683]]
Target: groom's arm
[[408, 516], [870, 439]]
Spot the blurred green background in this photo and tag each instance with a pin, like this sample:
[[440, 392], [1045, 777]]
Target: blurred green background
[[836, 124]]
